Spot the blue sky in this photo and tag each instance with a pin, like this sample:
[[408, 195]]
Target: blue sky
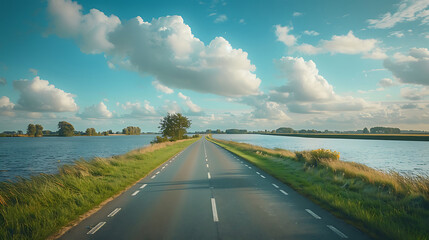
[[226, 64]]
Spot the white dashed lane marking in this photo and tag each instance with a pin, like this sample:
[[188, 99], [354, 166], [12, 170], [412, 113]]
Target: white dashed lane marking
[[313, 214], [135, 193], [285, 193], [95, 229], [114, 212], [275, 185], [338, 232], [215, 217], [143, 186]]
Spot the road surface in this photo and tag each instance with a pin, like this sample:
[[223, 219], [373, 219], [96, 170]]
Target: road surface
[[205, 192]]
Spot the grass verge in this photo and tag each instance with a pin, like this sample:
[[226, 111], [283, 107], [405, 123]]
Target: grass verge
[[38, 207], [384, 205]]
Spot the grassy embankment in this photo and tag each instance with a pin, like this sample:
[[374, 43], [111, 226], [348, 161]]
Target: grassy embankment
[[38, 207], [404, 137], [384, 205]]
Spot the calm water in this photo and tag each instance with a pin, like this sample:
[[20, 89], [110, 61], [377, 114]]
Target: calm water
[[30, 156], [406, 157]]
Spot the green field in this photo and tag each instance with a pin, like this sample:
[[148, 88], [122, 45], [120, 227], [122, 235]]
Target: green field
[[39, 207], [384, 205]]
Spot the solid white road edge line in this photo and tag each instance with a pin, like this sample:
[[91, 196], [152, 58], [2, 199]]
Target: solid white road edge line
[[114, 212], [135, 193], [313, 214], [143, 186], [275, 185], [342, 235], [215, 217], [285, 193], [95, 229], [208, 175]]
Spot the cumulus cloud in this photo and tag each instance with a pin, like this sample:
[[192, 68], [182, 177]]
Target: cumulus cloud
[[98, 111], [6, 107], [376, 53], [412, 68], [414, 93], [408, 10], [38, 95], [88, 30], [221, 18], [170, 107], [345, 44], [386, 82], [397, 34], [264, 108], [283, 35], [3, 81], [297, 14], [164, 48], [162, 88], [192, 106], [139, 110], [307, 91], [311, 33], [33, 71]]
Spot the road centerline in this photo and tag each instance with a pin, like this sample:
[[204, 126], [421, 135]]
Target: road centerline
[[96, 228], [338, 232], [313, 214], [214, 210], [114, 212], [135, 193]]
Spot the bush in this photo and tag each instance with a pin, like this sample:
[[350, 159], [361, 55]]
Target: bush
[[317, 157], [159, 139]]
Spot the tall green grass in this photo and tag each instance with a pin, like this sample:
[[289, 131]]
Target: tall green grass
[[39, 207], [384, 205]]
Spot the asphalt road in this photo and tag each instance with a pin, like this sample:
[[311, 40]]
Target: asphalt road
[[205, 192]]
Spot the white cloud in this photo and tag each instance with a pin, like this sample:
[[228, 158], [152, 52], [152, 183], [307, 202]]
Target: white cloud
[[283, 35], [88, 30], [408, 10], [307, 91], [3, 81], [111, 65], [297, 14], [164, 48], [264, 108], [98, 111], [397, 34], [6, 107], [412, 68], [40, 96], [162, 88], [192, 106], [221, 18], [170, 107], [414, 93], [376, 53], [139, 110], [242, 21], [33, 71], [311, 33], [386, 82], [345, 44]]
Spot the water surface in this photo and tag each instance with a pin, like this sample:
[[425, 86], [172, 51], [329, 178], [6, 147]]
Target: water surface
[[21, 156], [406, 157]]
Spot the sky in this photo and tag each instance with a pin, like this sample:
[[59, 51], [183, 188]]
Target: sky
[[256, 65]]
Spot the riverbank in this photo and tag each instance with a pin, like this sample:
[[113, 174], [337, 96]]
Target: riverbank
[[384, 205], [39, 207], [402, 137]]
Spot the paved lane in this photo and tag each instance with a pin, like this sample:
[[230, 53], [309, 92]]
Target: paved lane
[[206, 192]]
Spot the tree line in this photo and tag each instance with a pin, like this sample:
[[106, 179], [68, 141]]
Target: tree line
[[66, 129]]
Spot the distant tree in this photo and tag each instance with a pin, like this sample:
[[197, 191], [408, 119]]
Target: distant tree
[[39, 131], [31, 130], [235, 131], [90, 132], [174, 126], [285, 130], [130, 130], [65, 129], [365, 131], [110, 132], [385, 130]]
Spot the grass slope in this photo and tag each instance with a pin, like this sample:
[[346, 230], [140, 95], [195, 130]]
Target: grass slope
[[38, 207], [384, 205]]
